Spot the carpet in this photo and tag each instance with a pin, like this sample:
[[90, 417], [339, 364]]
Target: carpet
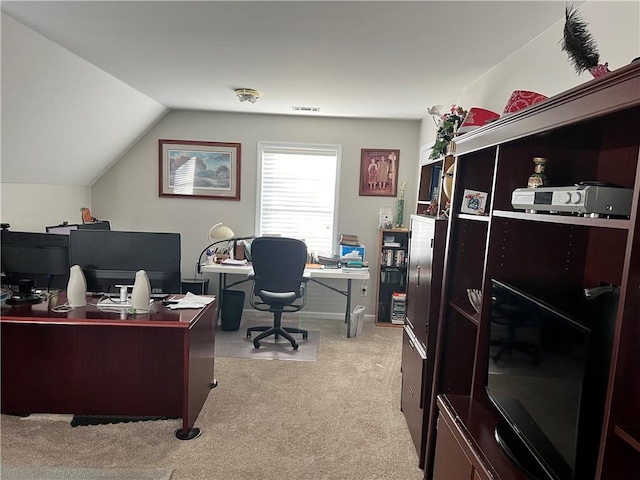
[[79, 473], [235, 344]]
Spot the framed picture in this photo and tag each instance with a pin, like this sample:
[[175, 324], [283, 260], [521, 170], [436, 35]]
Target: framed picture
[[473, 202], [192, 169], [379, 172]]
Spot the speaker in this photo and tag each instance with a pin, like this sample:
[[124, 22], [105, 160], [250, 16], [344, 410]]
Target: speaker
[[141, 292], [77, 287]]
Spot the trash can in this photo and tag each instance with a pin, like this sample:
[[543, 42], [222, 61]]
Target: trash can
[[232, 304], [357, 321]]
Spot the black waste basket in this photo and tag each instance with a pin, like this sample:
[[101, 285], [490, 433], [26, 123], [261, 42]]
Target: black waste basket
[[232, 303]]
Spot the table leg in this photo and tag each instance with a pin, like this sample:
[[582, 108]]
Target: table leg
[[347, 315]]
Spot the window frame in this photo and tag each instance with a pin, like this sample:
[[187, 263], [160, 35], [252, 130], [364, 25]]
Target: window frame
[[293, 146]]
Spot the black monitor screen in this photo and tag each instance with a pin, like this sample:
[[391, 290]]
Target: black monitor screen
[[40, 257], [536, 374], [110, 258]]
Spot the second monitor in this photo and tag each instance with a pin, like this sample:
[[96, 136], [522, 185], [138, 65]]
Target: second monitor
[[110, 258]]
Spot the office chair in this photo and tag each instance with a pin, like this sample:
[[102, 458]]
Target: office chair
[[278, 282]]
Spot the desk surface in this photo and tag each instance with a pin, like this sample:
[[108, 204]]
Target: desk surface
[[158, 316], [310, 272]]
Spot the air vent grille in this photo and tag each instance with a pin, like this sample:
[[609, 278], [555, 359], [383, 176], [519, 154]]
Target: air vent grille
[[305, 109]]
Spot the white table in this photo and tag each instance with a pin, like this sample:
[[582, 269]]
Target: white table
[[315, 275]]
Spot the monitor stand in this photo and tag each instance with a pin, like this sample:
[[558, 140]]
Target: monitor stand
[[26, 295]]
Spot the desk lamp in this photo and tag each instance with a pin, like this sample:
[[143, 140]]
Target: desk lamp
[[217, 234]]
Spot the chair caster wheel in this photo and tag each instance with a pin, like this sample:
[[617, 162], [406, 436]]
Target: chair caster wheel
[[295, 346], [256, 344], [305, 336], [248, 334]]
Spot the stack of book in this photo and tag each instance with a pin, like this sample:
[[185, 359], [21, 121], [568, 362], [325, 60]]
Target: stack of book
[[349, 239], [398, 302]]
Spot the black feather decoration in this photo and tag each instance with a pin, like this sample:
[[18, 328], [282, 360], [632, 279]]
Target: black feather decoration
[[578, 42]]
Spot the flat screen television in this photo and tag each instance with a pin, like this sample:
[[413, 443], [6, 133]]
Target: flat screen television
[[40, 257], [111, 258], [541, 376]]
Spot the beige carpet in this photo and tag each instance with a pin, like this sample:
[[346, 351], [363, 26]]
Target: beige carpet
[[335, 419], [63, 473]]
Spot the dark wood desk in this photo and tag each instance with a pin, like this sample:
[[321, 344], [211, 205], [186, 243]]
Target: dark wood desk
[[94, 362]]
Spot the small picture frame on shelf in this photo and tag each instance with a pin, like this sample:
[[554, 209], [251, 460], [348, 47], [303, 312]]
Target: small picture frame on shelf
[[473, 202]]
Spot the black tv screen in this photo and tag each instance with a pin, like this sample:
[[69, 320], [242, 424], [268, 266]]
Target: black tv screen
[[536, 377], [110, 258], [40, 257]]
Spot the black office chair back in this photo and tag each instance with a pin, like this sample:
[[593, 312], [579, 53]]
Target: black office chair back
[[278, 264]]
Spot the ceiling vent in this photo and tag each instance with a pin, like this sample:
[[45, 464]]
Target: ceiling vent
[[306, 109]]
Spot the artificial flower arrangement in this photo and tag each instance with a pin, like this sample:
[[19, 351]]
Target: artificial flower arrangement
[[448, 125]]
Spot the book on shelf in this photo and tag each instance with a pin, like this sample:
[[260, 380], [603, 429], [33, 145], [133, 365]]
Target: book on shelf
[[392, 244], [348, 239]]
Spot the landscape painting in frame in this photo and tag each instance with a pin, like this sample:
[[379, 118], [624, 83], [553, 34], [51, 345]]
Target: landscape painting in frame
[[194, 169], [379, 172]]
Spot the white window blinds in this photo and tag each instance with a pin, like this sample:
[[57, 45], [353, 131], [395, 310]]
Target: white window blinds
[[298, 194]]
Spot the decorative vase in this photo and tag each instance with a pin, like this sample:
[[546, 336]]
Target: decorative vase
[[538, 178], [77, 287], [447, 181], [400, 210], [141, 293]]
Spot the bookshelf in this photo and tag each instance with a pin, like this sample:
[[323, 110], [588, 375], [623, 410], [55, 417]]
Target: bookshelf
[[392, 276]]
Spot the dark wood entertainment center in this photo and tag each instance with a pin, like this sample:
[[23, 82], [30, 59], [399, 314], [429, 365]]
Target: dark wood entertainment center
[[588, 133]]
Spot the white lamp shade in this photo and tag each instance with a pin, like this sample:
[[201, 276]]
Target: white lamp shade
[[219, 232]]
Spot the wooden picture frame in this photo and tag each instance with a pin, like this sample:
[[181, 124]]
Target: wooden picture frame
[[379, 172], [194, 169]]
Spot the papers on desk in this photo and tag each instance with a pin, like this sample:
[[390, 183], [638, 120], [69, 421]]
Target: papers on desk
[[191, 301], [231, 261], [116, 303]]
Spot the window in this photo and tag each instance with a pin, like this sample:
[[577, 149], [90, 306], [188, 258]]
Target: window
[[298, 192]]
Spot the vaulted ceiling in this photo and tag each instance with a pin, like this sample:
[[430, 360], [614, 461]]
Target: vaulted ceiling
[[387, 59]]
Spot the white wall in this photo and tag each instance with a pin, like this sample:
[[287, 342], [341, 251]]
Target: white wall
[[30, 208], [65, 110], [542, 66], [127, 194]]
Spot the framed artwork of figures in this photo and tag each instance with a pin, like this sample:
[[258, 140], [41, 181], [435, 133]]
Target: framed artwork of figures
[[379, 172]]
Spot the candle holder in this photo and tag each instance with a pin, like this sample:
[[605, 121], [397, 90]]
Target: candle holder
[[538, 178]]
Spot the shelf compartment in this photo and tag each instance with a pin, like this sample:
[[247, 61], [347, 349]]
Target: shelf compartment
[[467, 254], [567, 257]]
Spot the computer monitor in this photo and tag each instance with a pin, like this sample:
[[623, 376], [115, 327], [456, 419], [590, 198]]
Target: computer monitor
[[109, 258], [40, 257]]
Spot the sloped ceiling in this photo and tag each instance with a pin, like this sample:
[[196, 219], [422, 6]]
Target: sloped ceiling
[[82, 81]]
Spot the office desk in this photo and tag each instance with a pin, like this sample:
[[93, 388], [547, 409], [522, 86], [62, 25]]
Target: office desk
[[93, 362], [315, 275]]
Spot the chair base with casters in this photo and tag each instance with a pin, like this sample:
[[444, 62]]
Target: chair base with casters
[[279, 303]]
